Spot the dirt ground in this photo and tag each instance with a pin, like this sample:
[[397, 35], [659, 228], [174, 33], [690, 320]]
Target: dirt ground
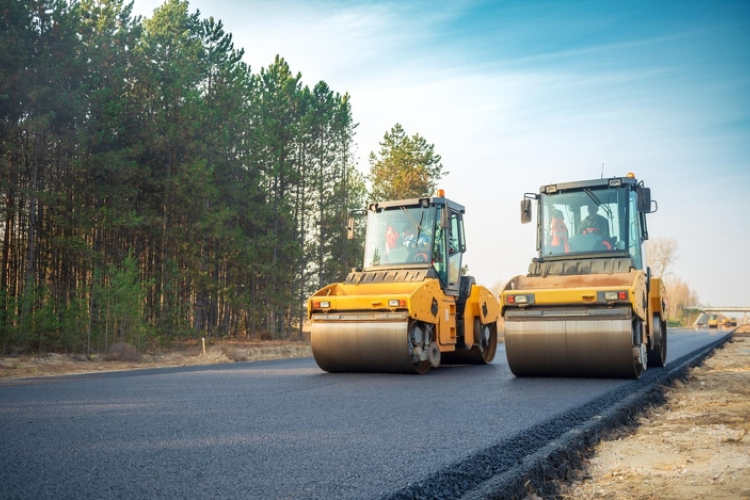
[[182, 355], [696, 446]]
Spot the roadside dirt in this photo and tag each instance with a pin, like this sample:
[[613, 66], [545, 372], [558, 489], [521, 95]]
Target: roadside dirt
[[695, 446], [182, 355]]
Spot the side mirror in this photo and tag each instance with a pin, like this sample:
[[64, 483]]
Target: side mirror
[[525, 211], [644, 199], [350, 228], [445, 221]]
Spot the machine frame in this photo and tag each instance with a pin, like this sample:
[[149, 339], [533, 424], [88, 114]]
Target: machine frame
[[407, 309], [588, 305]]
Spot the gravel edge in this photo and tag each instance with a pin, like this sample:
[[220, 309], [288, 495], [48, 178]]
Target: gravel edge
[[507, 471]]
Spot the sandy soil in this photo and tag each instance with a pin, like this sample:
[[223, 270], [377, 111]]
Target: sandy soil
[[695, 446], [183, 355]]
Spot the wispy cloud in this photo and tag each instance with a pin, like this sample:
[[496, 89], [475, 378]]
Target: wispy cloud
[[516, 94]]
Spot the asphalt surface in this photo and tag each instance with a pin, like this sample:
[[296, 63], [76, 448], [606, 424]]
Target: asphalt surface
[[285, 429]]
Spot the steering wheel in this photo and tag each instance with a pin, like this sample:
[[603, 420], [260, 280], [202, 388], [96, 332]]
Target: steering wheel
[[410, 242]]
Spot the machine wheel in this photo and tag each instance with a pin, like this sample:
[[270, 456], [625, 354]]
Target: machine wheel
[[657, 355], [421, 346], [487, 341], [480, 352], [640, 355], [433, 355]]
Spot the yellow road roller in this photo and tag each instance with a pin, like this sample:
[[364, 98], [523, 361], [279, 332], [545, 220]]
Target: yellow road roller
[[407, 309], [588, 306]]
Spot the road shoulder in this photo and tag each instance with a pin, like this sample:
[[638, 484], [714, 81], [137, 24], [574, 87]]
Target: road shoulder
[[695, 445]]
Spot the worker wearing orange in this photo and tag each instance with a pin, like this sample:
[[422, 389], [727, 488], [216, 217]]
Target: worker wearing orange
[[391, 238], [559, 233], [392, 242]]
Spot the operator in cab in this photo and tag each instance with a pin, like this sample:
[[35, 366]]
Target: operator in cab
[[594, 222]]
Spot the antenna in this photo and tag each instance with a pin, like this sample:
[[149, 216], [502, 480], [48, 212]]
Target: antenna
[[602, 171]]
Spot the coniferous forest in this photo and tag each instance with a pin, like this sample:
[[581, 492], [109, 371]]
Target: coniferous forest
[[155, 188]]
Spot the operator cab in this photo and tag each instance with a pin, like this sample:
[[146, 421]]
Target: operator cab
[[417, 234], [602, 218]]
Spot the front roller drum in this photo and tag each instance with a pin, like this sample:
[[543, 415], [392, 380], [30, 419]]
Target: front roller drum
[[574, 348], [376, 347]]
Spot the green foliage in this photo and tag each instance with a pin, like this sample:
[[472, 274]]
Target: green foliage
[[122, 296], [154, 187], [72, 323], [405, 167], [46, 324]]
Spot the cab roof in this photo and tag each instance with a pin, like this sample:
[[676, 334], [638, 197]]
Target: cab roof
[[417, 202], [593, 183]]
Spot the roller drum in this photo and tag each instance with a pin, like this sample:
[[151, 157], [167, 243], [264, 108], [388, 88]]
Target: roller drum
[[363, 347], [481, 353], [571, 348]]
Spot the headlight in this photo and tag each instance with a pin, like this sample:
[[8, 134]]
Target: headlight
[[619, 295], [518, 299], [323, 304]]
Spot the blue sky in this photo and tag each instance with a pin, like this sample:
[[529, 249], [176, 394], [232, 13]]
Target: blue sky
[[518, 94]]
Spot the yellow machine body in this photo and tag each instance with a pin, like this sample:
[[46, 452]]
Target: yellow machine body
[[713, 321], [410, 315], [587, 307]]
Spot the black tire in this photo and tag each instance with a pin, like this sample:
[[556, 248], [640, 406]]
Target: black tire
[[433, 355], [487, 345], [657, 355], [636, 333]]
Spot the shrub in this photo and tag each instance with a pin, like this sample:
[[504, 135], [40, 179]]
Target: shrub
[[122, 351]]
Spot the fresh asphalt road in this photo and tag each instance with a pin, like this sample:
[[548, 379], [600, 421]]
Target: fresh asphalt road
[[271, 430]]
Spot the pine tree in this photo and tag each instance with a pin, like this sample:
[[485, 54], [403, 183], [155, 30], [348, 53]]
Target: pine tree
[[145, 157], [405, 167]]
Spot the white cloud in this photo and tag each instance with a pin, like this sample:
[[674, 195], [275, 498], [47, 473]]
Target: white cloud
[[507, 119]]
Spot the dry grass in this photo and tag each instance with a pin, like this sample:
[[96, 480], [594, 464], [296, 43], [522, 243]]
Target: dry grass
[[122, 352], [125, 357]]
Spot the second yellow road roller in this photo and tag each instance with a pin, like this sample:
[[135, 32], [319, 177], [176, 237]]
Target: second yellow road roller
[[588, 306], [407, 309]]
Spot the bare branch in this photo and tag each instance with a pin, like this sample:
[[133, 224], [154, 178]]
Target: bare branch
[[661, 255]]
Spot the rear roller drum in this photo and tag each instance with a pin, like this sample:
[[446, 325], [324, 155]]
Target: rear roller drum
[[486, 343], [481, 352], [657, 354], [640, 355], [433, 355]]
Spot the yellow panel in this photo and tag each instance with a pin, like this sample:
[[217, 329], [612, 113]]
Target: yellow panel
[[447, 324]]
